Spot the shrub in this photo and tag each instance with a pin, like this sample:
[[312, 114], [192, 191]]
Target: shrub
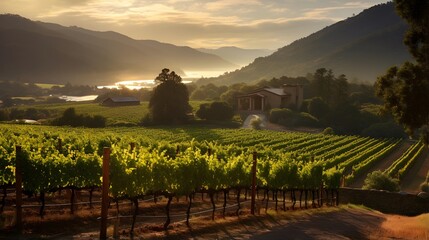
[[96, 121], [256, 123], [381, 181], [328, 131], [218, 111], [384, 130], [424, 186], [70, 118], [306, 120], [202, 112], [278, 115], [318, 107], [4, 115], [147, 120], [289, 118], [123, 124]]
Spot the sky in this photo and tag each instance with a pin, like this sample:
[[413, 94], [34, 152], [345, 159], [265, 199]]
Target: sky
[[263, 24]]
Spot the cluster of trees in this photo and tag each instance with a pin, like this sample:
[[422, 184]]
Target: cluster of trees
[[141, 94], [330, 101], [8, 114], [333, 86], [208, 92], [71, 118], [16, 89], [169, 102], [9, 89]]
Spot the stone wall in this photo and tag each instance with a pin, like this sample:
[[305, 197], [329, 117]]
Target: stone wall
[[386, 202]]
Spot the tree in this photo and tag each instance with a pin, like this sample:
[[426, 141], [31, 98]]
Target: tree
[[169, 102], [323, 83], [208, 92], [405, 89], [405, 94], [203, 111], [416, 13], [341, 89], [318, 108]]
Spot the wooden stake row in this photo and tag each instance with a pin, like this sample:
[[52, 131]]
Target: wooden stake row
[[105, 188]]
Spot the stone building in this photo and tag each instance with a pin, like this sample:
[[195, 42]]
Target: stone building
[[291, 95]]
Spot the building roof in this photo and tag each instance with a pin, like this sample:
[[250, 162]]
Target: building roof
[[122, 99], [276, 91]]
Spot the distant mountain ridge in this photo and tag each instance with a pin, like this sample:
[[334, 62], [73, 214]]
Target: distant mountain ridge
[[362, 47], [45, 52], [237, 55]]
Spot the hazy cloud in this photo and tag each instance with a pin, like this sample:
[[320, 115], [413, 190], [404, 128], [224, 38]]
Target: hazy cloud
[[198, 23]]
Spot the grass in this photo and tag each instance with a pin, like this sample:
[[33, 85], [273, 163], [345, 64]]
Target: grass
[[114, 115], [48, 86]]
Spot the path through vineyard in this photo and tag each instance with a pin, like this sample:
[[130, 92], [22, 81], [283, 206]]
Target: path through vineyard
[[411, 180], [267, 125], [382, 165], [417, 174]]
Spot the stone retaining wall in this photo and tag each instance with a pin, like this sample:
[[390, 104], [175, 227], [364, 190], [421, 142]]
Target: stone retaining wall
[[386, 202]]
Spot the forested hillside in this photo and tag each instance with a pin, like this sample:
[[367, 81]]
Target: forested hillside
[[361, 47], [50, 53]]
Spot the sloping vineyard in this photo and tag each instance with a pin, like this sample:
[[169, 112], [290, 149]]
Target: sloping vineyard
[[406, 161], [181, 162]]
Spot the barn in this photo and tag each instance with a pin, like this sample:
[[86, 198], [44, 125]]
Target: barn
[[120, 101]]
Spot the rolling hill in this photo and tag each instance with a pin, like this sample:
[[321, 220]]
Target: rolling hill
[[50, 53], [361, 47], [237, 55]]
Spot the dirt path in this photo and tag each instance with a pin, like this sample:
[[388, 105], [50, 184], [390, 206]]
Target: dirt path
[[382, 165], [248, 120], [417, 174], [344, 222], [350, 223], [267, 125]]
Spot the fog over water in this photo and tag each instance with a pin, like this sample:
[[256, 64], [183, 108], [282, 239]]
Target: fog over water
[[137, 84]]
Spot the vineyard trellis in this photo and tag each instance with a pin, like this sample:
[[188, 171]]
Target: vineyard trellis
[[185, 163]]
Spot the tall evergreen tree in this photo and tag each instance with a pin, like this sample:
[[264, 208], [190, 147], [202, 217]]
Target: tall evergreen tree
[[405, 89]]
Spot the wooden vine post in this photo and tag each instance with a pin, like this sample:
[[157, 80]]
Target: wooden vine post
[[18, 188], [60, 145], [252, 202], [105, 193]]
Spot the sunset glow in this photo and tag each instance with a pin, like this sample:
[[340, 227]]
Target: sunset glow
[[195, 23]]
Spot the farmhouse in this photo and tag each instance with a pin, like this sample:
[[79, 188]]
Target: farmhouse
[[291, 95], [120, 101]]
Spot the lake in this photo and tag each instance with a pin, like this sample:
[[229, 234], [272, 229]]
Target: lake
[[135, 84], [78, 98]]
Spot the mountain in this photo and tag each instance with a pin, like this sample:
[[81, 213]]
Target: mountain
[[50, 53], [361, 47], [237, 55]]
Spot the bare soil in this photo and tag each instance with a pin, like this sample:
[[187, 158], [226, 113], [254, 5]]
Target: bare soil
[[327, 222], [382, 165], [417, 174]]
